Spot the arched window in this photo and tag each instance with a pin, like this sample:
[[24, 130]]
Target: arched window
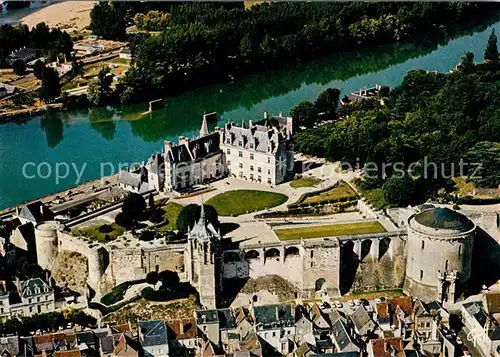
[[423, 245], [446, 265], [421, 274], [459, 250]]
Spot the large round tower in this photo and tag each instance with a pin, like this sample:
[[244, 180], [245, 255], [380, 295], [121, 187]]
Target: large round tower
[[46, 243], [439, 254]]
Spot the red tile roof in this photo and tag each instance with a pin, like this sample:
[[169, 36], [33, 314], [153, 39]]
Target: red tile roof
[[382, 347], [183, 328], [404, 303], [382, 310]]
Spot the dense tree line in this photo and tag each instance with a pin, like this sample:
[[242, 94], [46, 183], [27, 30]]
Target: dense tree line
[[51, 42], [439, 120], [153, 20], [204, 43]]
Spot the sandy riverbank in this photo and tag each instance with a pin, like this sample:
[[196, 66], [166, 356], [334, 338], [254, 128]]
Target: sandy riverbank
[[66, 15]]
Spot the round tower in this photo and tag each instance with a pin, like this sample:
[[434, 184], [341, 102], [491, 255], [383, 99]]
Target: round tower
[[46, 241], [439, 254]]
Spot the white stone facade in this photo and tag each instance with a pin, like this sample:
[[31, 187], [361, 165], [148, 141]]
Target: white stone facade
[[261, 152], [439, 248]]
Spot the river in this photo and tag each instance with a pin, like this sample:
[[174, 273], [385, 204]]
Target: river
[[93, 136]]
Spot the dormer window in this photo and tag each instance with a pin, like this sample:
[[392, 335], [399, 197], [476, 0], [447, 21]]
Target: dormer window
[[251, 146]]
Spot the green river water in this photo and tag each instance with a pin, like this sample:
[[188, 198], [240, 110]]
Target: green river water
[[120, 135]]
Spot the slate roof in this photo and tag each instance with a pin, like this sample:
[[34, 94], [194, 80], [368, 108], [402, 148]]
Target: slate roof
[[444, 218], [494, 334], [10, 344], [128, 178], [193, 150], [153, 333], [226, 319], [360, 318], [475, 309], [203, 230], [260, 137], [274, 314], [207, 317], [34, 287], [155, 163], [340, 335], [33, 212]]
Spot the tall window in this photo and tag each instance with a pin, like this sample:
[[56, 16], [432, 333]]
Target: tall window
[[459, 250], [229, 151], [421, 274], [446, 265], [240, 154], [251, 156], [423, 245]]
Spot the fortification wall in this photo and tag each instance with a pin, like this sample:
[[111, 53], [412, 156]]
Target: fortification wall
[[488, 221], [329, 265]]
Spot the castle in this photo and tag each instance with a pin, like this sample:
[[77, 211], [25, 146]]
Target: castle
[[430, 258], [260, 152]]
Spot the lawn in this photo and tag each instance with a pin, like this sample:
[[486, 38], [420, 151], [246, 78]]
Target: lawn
[[343, 229], [340, 192], [234, 203], [305, 181], [99, 234], [172, 210]]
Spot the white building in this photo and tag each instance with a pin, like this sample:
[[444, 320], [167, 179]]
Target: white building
[[261, 152]]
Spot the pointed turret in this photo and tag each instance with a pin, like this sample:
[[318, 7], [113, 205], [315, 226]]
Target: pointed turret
[[204, 127]]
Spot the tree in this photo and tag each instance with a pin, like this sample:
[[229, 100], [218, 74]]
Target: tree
[[327, 102], [398, 191], [133, 205], [304, 114], [484, 168], [50, 88], [108, 20], [19, 67], [38, 69], [467, 62], [190, 214], [99, 89], [152, 277], [491, 51]]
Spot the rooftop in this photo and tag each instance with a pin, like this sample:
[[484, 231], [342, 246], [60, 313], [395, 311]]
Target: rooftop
[[153, 333], [444, 218]]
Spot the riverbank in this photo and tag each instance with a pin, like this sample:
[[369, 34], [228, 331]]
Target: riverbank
[[75, 194], [104, 134], [19, 114]]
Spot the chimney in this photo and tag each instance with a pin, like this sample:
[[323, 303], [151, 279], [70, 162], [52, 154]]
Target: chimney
[[250, 123], [41, 209], [266, 115], [167, 145], [17, 283], [17, 211], [181, 327], [48, 279]]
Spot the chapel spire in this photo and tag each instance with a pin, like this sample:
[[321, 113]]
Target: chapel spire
[[204, 127]]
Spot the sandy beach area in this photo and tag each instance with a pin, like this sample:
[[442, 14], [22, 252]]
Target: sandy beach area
[[66, 15]]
